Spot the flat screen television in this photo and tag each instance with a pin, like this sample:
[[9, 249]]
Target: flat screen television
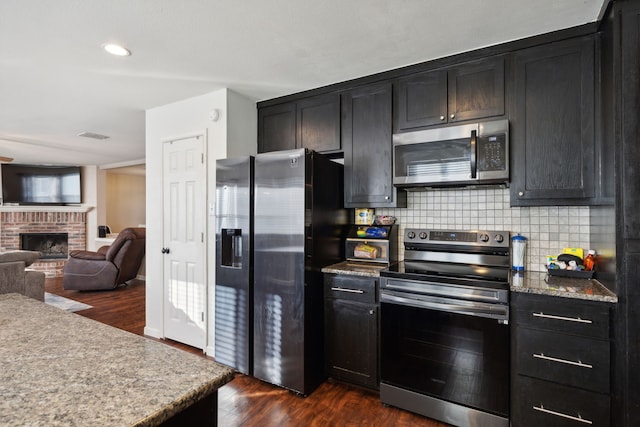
[[41, 185]]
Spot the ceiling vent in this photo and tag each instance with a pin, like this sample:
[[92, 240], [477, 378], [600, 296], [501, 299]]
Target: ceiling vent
[[93, 135]]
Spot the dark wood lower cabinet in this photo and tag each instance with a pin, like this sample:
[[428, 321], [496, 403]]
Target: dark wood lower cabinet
[[560, 362], [351, 329]]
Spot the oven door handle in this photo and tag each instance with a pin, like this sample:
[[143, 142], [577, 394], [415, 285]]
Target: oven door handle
[[499, 312]]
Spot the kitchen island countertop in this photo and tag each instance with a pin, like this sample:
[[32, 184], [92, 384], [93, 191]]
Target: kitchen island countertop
[[62, 369], [355, 269], [543, 284]]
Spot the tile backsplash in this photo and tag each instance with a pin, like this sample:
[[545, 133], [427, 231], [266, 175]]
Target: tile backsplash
[[548, 229]]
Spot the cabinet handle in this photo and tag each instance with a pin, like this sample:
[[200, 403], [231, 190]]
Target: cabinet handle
[[351, 291], [520, 193], [452, 116], [568, 362], [566, 319], [387, 197], [442, 117], [371, 312], [560, 414]]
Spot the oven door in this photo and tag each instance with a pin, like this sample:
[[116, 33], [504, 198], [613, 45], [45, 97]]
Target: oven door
[[431, 350]]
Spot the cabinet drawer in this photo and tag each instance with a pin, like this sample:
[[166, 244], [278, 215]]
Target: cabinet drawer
[[351, 288], [566, 359], [540, 403], [570, 316]]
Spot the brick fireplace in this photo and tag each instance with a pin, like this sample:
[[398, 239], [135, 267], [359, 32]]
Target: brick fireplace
[[15, 222]]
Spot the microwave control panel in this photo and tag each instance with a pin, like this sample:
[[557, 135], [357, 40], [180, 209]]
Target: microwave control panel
[[492, 153]]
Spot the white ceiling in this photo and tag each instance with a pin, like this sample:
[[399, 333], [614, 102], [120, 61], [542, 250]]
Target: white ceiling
[[56, 81]]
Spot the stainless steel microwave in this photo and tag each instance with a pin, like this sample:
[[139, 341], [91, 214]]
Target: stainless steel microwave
[[460, 155]]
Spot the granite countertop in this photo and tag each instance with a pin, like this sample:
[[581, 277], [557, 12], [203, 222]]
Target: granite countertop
[[543, 284], [62, 369], [355, 269]]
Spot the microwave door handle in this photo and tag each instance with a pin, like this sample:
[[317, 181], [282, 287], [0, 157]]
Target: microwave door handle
[[474, 154]]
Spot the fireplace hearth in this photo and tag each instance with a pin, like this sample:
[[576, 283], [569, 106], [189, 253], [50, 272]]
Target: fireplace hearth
[[50, 245]]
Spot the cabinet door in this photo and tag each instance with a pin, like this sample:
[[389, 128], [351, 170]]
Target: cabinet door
[[476, 90], [420, 100], [552, 139], [630, 119], [352, 341], [277, 128], [366, 139], [319, 123]]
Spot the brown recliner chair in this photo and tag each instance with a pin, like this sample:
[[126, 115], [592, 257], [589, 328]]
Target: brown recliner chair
[[109, 267]]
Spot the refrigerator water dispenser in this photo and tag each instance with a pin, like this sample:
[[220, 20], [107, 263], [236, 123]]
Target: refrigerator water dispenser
[[231, 243]]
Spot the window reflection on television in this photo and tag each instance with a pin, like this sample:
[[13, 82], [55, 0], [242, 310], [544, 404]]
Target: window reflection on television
[[50, 189]]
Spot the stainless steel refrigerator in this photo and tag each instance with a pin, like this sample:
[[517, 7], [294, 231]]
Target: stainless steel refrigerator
[[234, 263], [298, 227]]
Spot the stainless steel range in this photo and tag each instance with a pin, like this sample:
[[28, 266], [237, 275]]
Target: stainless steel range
[[444, 327]]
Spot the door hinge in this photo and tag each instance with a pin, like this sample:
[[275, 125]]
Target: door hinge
[[202, 313], [202, 158], [201, 237]]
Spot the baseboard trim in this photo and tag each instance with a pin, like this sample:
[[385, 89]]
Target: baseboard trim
[[152, 332]]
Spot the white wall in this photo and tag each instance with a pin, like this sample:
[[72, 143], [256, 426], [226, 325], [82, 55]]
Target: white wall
[[93, 194], [125, 200], [234, 133]]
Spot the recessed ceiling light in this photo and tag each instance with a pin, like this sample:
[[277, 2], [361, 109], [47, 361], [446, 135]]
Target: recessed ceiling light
[[116, 49]]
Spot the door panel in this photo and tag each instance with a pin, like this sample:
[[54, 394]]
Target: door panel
[[184, 267]]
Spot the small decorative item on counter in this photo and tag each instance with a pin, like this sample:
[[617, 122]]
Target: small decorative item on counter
[[590, 260], [376, 232], [384, 220], [365, 251], [518, 245], [570, 264]]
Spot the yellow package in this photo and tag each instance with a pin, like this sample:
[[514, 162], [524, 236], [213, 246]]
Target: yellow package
[[574, 251]]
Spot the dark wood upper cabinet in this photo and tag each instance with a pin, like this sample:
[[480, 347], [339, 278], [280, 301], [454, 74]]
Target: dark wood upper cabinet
[[421, 100], [552, 124], [277, 127], [471, 90], [312, 123], [629, 105], [366, 139], [319, 123], [476, 90]]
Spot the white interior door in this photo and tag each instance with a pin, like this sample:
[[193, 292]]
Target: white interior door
[[183, 241]]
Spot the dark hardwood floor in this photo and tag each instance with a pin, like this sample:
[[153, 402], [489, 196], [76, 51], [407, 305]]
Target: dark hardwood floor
[[246, 401]]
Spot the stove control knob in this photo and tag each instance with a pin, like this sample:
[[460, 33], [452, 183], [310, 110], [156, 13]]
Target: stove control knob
[[411, 235], [423, 235], [499, 238], [484, 238]]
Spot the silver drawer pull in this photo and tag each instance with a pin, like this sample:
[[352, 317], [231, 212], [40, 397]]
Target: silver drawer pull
[[568, 319], [351, 291], [568, 362], [560, 414]]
